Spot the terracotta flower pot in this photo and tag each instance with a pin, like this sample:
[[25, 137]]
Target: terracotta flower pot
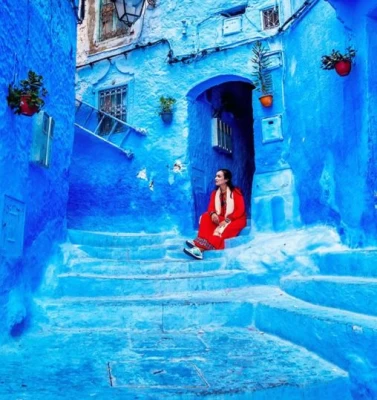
[[266, 100], [343, 68], [25, 108]]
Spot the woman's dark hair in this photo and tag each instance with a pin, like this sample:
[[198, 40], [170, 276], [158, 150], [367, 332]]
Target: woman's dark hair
[[228, 175]]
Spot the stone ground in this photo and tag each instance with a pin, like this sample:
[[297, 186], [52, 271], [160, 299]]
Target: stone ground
[[129, 317], [234, 363]]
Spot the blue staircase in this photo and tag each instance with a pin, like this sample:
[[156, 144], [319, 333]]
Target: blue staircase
[[332, 314], [130, 316]]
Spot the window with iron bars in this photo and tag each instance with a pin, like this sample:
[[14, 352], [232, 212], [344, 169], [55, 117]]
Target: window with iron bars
[[114, 102], [270, 18], [221, 136], [110, 26]]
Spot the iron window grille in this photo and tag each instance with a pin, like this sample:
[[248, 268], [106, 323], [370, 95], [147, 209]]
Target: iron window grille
[[110, 25], [221, 136], [114, 102], [270, 18]]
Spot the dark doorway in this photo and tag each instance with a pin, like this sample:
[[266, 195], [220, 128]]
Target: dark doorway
[[221, 136]]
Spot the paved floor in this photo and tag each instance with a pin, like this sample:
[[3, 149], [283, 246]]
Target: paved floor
[[227, 363]]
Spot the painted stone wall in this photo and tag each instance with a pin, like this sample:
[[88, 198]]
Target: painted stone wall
[[312, 158], [187, 140], [42, 37], [331, 131]]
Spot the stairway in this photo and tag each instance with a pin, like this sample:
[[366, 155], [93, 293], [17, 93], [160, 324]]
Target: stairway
[[126, 316], [333, 314]]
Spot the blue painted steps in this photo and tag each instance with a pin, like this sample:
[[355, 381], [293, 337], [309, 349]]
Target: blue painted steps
[[351, 262], [218, 365], [140, 314], [76, 284], [340, 336], [147, 267], [344, 292], [139, 302], [114, 239]]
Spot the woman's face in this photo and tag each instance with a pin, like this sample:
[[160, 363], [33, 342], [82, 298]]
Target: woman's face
[[219, 178]]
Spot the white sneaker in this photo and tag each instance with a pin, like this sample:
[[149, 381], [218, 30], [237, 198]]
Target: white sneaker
[[194, 252], [190, 243]]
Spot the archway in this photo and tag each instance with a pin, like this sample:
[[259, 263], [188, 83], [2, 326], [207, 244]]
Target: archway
[[220, 136]]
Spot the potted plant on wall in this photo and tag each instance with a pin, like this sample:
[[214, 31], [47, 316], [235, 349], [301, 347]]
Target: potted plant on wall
[[27, 98], [166, 108], [340, 62], [262, 77]]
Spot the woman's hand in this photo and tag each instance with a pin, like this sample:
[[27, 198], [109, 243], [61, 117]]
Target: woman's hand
[[215, 219], [222, 223]]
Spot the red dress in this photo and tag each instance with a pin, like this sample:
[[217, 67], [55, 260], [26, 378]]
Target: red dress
[[208, 238]]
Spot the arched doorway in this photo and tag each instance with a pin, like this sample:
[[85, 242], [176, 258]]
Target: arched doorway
[[220, 136]]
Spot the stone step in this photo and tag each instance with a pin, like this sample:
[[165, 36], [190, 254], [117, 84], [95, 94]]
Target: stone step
[[121, 313], [361, 263], [155, 267], [80, 284], [237, 241], [345, 292], [342, 337], [123, 253], [162, 252], [116, 239], [184, 311], [226, 364]]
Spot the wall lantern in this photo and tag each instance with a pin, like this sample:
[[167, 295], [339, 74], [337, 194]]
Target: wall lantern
[[129, 11]]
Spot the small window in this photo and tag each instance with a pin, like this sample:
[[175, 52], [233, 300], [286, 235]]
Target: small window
[[43, 134], [110, 26], [270, 17], [114, 102], [221, 136]]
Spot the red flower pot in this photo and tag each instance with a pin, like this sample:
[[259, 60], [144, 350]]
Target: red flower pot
[[266, 100], [343, 68], [25, 108]]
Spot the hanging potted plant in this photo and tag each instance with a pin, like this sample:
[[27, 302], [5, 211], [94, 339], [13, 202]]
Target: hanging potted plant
[[262, 77], [340, 62], [27, 98], [166, 108]]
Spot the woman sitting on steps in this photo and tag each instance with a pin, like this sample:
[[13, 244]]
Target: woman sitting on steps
[[224, 219]]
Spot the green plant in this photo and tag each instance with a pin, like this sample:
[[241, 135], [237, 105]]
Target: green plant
[[262, 77], [32, 88], [329, 61], [166, 104]]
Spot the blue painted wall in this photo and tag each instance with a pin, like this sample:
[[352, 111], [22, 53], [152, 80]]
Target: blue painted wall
[[41, 37], [320, 166], [331, 129], [108, 191]]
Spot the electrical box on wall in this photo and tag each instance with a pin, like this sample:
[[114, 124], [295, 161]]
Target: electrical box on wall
[[272, 129], [43, 133], [12, 227], [232, 25]]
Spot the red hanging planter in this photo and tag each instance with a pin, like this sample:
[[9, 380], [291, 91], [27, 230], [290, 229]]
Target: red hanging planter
[[27, 97], [343, 68], [266, 100], [25, 108]]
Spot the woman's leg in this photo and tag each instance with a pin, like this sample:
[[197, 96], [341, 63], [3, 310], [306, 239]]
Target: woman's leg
[[218, 242], [206, 228]]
